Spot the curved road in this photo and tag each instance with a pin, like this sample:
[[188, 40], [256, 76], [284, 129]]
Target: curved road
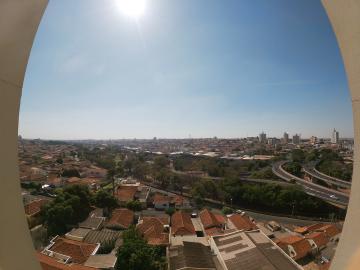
[[309, 169], [311, 188]]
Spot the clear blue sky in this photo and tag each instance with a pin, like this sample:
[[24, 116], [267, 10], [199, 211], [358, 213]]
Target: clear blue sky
[[207, 68]]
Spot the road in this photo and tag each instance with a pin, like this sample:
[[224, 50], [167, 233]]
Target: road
[[311, 188], [258, 216], [310, 169]]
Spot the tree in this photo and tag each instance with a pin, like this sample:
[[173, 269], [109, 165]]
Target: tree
[[104, 199], [135, 253], [170, 211], [70, 173], [227, 210], [72, 205], [134, 205]]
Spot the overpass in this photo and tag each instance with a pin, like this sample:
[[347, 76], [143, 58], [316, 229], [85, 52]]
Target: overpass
[[331, 181], [311, 188]]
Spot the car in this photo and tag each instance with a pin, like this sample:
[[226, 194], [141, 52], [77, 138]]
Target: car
[[332, 196], [194, 215]]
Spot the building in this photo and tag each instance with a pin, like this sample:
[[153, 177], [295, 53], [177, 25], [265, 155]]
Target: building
[[70, 251], [241, 222], [51, 263], [155, 230], [286, 138], [181, 224], [213, 224], [250, 250], [262, 137], [296, 139], [121, 218], [313, 140], [295, 246], [191, 255], [335, 137]]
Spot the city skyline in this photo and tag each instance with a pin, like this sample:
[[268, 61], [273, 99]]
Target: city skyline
[[207, 70]]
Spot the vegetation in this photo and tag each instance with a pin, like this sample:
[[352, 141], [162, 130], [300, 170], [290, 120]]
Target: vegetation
[[170, 211], [106, 247], [103, 199], [70, 173], [135, 253], [134, 205], [294, 168], [227, 210], [71, 206]]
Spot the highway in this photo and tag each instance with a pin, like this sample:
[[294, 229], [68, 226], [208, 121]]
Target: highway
[[310, 169], [311, 188]]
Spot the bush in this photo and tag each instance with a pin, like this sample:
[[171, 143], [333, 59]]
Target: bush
[[227, 210]]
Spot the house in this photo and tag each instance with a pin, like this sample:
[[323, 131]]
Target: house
[[125, 194], [121, 218], [33, 208], [317, 240], [179, 202], [181, 224], [77, 234], [307, 229], [51, 263], [102, 261], [249, 250], [213, 223], [102, 236], [70, 250], [94, 221], [161, 202], [155, 230], [191, 255], [331, 231], [241, 222], [295, 246]]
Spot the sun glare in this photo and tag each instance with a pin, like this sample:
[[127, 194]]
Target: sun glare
[[132, 8]]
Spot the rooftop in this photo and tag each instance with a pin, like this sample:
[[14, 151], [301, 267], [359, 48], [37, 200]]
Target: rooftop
[[121, 217], [251, 251], [181, 224], [191, 255]]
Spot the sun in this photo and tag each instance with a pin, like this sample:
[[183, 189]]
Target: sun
[[132, 8]]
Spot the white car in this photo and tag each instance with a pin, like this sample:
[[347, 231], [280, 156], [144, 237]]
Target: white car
[[332, 196]]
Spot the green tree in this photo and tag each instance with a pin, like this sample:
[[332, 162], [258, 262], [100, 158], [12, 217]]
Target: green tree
[[103, 199], [134, 205], [135, 253], [170, 211]]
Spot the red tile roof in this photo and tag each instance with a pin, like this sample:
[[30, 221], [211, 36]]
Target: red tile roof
[[121, 217], [152, 229], [214, 231], [161, 199], [181, 224], [49, 263], [209, 220], [306, 229], [78, 251], [301, 246], [330, 230], [126, 193], [242, 222], [34, 207], [320, 238]]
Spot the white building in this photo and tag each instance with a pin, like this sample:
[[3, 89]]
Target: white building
[[335, 137]]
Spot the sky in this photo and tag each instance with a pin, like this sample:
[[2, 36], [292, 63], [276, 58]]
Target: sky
[[185, 68]]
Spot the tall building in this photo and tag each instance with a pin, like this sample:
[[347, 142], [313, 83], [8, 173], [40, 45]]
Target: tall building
[[286, 138], [296, 139], [335, 136], [262, 137], [313, 140]]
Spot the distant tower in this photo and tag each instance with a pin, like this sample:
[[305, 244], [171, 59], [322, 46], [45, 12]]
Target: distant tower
[[262, 137], [335, 137], [286, 137], [296, 139]]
